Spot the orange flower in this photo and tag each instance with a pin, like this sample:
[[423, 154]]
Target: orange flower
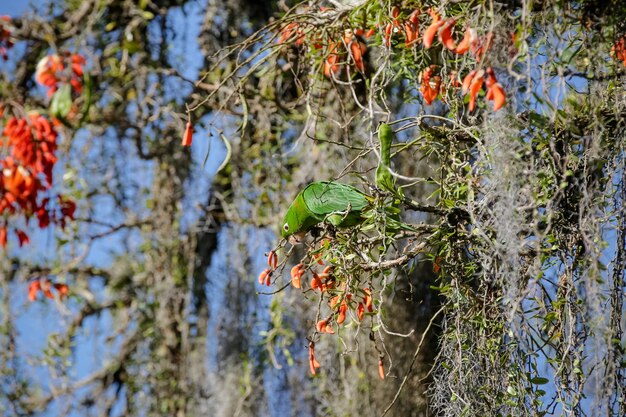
[[393, 26], [324, 280], [469, 39], [343, 308], [428, 89], [188, 135], [324, 326], [480, 46], [331, 65], [619, 50], [467, 81], [63, 290], [475, 86], [429, 34], [265, 277], [33, 288], [381, 368], [318, 257], [272, 259], [497, 94], [411, 28], [445, 34], [6, 42], [316, 282], [495, 91], [45, 286], [369, 33], [296, 275], [356, 49], [313, 363], [360, 310], [3, 236], [367, 299], [454, 79], [437, 264], [292, 31], [50, 72]]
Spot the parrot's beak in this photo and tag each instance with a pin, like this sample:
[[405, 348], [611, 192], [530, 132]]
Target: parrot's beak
[[297, 238]]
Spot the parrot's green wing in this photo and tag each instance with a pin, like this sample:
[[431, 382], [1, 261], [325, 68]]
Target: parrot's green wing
[[337, 203], [325, 197]]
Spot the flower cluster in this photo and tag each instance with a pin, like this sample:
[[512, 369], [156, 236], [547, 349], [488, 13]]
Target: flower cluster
[[351, 45], [6, 42], [27, 173], [340, 298], [45, 286], [265, 277], [55, 69], [349, 51], [619, 50], [336, 50], [473, 83]]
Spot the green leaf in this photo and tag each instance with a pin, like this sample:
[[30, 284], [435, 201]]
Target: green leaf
[[61, 102], [228, 154], [539, 380]]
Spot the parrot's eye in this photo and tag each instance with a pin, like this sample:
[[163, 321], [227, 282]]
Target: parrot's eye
[[286, 227]]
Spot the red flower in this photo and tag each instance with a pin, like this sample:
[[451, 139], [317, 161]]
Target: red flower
[[323, 326], [445, 34], [272, 259], [51, 71], [495, 91], [45, 286], [67, 208], [474, 89], [265, 277], [411, 28], [367, 299], [429, 34], [3, 236], [63, 290], [437, 264], [360, 310], [331, 65], [6, 42], [369, 33], [467, 81], [292, 32], [381, 368], [393, 26], [188, 135], [619, 50], [356, 49], [480, 46], [430, 88], [22, 237], [316, 282], [296, 275], [343, 309], [313, 363], [469, 39], [33, 288]]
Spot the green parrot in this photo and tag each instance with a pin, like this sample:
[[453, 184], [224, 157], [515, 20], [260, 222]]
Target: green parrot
[[323, 201], [339, 204]]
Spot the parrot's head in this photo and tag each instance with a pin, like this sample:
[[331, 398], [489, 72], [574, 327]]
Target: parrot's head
[[291, 228], [292, 224]]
